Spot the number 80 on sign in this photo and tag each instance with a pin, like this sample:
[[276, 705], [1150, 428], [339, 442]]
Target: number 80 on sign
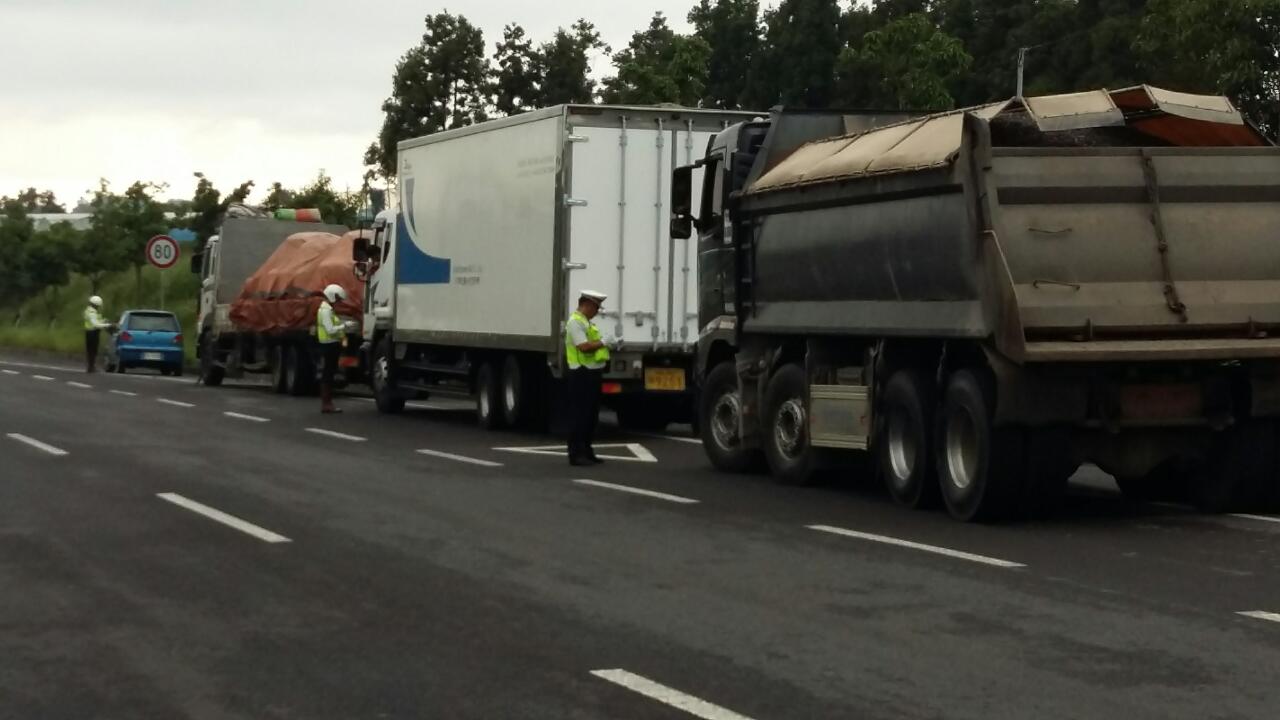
[[162, 251]]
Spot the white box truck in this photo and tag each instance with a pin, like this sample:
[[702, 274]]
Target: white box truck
[[499, 226]]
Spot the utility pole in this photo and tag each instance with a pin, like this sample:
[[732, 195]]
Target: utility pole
[[1022, 66]]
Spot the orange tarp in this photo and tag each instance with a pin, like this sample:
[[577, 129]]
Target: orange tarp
[[285, 293]]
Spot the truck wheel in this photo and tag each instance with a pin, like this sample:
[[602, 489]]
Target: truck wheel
[[787, 423], [979, 467], [279, 370], [211, 373], [905, 443], [386, 395], [299, 375], [488, 398], [1242, 474], [515, 396], [719, 416]]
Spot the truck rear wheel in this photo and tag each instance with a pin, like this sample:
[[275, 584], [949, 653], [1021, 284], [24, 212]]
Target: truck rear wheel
[[905, 440], [719, 426], [300, 375], [516, 399], [488, 398], [786, 447], [979, 467], [382, 380], [211, 373], [279, 376]]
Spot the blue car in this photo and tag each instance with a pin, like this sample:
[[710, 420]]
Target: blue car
[[146, 338]]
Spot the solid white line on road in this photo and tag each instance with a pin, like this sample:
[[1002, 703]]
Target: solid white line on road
[[958, 554], [125, 393], [228, 520], [668, 696], [45, 378], [1262, 615], [250, 418], [677, 438], [638, 491], [340, 436], [84, 386], [1263, 518], [10, 372], [175, 403], [460, 458], [37, 444]]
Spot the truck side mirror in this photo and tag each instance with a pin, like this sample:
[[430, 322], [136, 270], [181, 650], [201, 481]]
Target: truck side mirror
[[197, 263], [360, 250], [682, 219]]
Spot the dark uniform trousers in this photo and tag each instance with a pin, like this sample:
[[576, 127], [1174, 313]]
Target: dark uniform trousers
[[584, 411], [91, 338]]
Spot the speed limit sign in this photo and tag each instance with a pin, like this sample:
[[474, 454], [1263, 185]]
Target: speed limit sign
[[162, 251]]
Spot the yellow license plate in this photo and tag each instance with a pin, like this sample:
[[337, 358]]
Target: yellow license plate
[[671, 379]]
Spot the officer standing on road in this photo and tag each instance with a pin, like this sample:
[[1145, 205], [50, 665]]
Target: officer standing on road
[[93, 327], [331, 332], [587, 358]]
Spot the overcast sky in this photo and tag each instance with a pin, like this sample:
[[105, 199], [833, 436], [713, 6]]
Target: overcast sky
[[239, 89]]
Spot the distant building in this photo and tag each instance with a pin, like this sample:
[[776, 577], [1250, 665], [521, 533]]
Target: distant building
[[82, 221]]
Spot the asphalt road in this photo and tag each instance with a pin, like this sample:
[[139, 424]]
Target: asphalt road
[[175, 551]]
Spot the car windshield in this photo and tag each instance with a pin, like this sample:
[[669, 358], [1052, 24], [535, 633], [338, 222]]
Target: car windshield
[[153, 322]]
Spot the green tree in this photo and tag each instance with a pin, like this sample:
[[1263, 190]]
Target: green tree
[[1231, 47], [439, 84], [659, 66], [342, 208], [801, 47], [516, 77], [566, 65], [277, 197], [123, 223], [39, 201], [208, 206], [16, 235], [49, 263], [993, 30], [905, 65], [731, 29]]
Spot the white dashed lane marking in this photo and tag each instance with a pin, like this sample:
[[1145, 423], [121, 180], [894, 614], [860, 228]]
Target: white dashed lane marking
[[10, 372], [1262, 615], [460, 458], [638, 491], [83, 386], [242, 416], [338, 435], [694, 706], [43, 378], [175, 403], [936, 550], [228, 520], [32, 442], [125, 393]]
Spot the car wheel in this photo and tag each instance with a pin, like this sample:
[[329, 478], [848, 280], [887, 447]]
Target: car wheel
[[786, 445], [905, 437]]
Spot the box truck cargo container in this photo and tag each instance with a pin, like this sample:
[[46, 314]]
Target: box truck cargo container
[[501, 224]]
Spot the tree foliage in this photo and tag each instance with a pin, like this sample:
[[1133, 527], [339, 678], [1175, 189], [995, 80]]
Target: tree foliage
[[802, 45], [439, 84], [907, 64], [208, 205], [517, 75], [340, 207], [38, 201], [121, 226], [565, 65], [659, 66], [731, 31]]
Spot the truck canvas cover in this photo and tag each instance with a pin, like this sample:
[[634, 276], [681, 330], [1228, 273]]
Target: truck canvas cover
[[285, 293]]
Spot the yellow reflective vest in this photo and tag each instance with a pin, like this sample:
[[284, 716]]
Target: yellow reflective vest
[[577, 358], [329, 327]]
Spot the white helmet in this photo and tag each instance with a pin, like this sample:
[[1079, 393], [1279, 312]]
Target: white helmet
[[334, 293], [95, 301]]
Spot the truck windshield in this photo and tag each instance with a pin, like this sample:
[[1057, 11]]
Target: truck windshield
[[153, 322]]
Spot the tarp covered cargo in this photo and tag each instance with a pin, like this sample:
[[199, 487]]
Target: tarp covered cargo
[[285, 293], [1164, 117]]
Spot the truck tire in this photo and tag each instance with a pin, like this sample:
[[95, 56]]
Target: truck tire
[[719, 423], [279, 373], [488, 398], [211, 373], [382, 380], [786, 445], [300, 375], [1242, 473], [516, 400], [979, 467], [905, 440]]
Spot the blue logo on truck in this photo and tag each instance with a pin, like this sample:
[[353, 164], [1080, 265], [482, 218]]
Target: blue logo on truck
[[413, 266]]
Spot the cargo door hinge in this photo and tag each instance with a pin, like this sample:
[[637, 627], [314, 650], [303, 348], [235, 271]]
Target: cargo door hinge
[[574, 202]]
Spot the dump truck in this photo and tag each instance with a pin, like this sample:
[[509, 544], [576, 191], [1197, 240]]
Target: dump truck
[[501, 224], [972, 304], [259, 292]]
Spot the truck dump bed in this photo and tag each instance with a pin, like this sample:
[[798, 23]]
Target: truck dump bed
[[1085, 227]]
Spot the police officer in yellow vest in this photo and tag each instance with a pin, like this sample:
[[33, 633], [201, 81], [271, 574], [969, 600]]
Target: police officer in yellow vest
[[93, 327], [331, 332], [587, 358]]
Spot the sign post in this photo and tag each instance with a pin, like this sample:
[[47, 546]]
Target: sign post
[[162, 252]]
